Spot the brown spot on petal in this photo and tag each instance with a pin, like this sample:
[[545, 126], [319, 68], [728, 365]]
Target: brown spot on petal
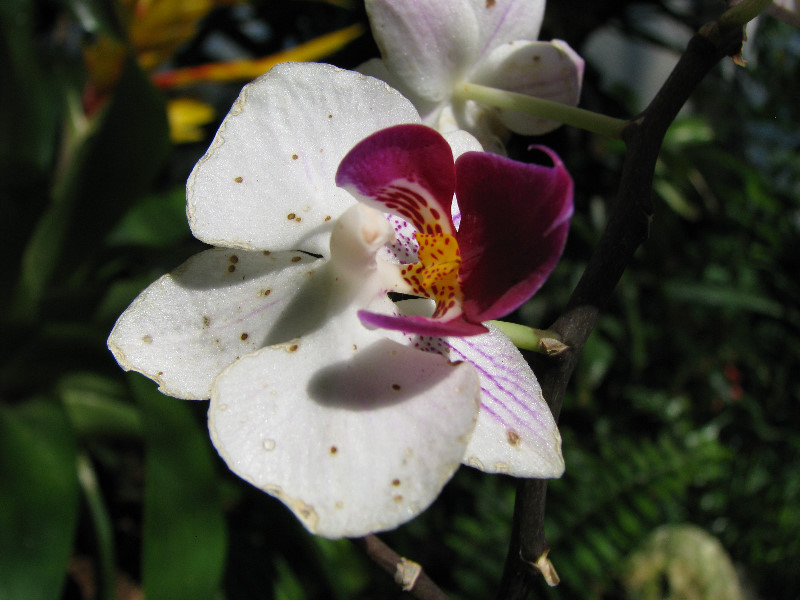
[[293, 348], [513, 437], [234, 259], [291, 216], [206, 321], [238, 179], [334, 450], [396, 387], [297, 258], [297, 219], [264, 293], [327, 218], [330, 116], [231, 268], [244, 336], [294, 156], [147, 339], [266, 252], [395, 482], [398, 498], [490, 3]]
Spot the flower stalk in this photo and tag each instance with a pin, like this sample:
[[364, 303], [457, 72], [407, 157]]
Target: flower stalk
[[743, 13], [563, 113], [536, 340]]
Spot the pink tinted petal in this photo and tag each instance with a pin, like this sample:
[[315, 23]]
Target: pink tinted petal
[[515, 218], [503, 21], [405, 170], [548, 70], [516, 432], [421, 325], [426, 44]]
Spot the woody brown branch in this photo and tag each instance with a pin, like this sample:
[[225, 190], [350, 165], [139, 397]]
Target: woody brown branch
[[422, 587], [626, 230]]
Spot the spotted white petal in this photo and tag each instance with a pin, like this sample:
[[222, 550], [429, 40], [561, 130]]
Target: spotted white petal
[[516, 433], [221, 304], [354, 432], [548, 70], [266, 182]]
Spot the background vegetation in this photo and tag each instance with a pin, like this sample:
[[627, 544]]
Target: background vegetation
[[683, 412]]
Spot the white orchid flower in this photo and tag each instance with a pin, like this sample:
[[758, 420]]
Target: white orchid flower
[[430, 48], [324, 392]]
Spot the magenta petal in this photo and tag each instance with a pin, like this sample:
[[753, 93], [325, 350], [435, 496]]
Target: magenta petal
[[406, 170], [514, 223], [421, 325]]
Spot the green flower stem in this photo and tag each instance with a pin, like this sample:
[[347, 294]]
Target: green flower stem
[[547, 109], [743, 13], [528, 338], [103, 530]]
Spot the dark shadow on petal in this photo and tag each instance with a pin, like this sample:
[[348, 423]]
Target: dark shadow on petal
[[380, 375], [228, 267], [308, 308]]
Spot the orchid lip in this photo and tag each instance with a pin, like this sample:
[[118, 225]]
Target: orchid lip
[[484, 269]]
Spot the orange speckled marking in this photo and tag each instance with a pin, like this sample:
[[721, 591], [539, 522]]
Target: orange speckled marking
[[435, 275]]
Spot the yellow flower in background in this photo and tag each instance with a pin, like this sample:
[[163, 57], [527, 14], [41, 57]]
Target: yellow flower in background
[[185, 117], [155, 30]]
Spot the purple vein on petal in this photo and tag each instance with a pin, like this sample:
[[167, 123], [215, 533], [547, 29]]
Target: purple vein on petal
[[490, 403], [487, 45], [509, 388]]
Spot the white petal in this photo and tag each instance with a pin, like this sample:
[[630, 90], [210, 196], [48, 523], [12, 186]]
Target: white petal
[[516, 433], [185, 328], [354, 432], [460, 142], [503, 21], [426, 44], [267, 181], [548, 70]]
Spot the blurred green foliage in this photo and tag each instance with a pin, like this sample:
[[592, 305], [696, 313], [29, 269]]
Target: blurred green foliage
[[684, 408]]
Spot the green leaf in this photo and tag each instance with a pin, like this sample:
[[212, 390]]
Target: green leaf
[[31, 102], [113, 168], [687, 131], [156, 222], [722, 297], [99, 406], [96, 16], [39, 499], [184, 539]]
